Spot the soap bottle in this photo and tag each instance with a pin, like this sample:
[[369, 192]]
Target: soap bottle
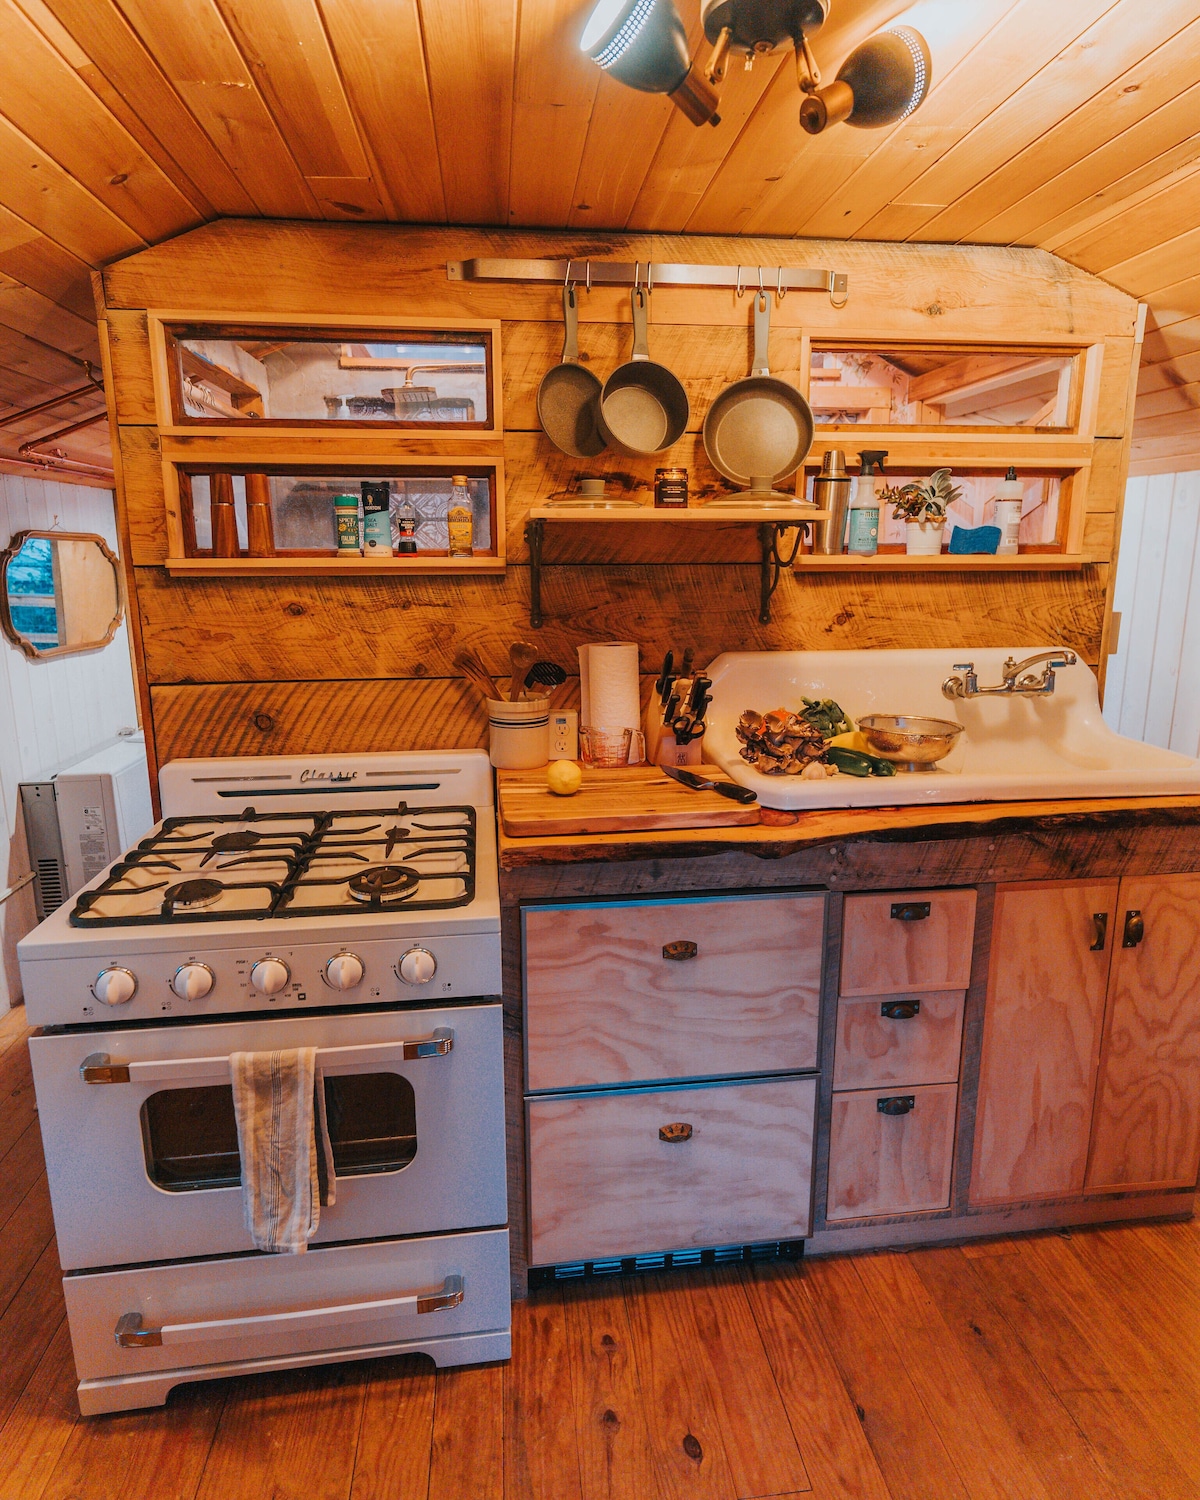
[[459, 520], [377, 518], [1009, 495], [863, 538]]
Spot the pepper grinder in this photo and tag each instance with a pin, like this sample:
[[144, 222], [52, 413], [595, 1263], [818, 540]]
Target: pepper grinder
[[224, 517]]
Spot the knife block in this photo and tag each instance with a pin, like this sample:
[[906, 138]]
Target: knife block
[[661, 749]]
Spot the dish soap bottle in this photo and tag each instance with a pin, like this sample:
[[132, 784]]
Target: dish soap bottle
[[1009, 495], [863, 538], [459, 523]]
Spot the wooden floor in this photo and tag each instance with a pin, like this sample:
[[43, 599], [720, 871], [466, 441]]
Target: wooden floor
[[1035, 1369]]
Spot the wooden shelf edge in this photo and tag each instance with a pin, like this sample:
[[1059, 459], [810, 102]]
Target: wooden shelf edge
[[751, 515], [268, 567], [889, 562]]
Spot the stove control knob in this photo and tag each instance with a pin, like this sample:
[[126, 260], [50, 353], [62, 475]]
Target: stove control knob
[[417, 966], [270, 975], [115, 986], [192, 981], [344, 971]]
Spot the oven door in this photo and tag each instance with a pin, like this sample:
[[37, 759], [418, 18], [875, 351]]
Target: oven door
[[141, 1144]]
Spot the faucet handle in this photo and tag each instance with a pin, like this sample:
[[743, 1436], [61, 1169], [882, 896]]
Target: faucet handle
[[963, 666]]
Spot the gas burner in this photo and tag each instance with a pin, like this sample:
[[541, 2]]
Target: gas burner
[[191, 895], [383, 883], [395, 835], [232, 843]]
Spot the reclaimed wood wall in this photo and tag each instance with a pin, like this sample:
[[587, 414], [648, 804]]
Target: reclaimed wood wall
[[260, 666]]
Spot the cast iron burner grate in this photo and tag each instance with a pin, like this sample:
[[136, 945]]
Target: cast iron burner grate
[[378, 886]]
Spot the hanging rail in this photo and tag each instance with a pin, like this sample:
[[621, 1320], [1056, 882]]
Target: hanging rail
[[589, 273]]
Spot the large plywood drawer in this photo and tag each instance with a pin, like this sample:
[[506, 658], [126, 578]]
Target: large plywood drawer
[[604, 1183], [882, 1163], [630, 992], [885, 1039], [907, 940]]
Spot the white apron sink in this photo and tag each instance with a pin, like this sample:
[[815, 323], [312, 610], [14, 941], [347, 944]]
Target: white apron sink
[[1015, 748]]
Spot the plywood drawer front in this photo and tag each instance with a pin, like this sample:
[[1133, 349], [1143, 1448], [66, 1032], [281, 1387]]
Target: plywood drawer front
[[915, 940], [898, 1039], [602, 1183], [604, 1006], [890, 1163]]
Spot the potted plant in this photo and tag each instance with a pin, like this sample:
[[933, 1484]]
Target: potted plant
[[922, 506]]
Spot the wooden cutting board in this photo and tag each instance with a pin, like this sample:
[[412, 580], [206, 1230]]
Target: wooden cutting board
[[617, 801]]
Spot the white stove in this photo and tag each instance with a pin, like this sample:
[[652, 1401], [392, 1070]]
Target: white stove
[[346, 903]]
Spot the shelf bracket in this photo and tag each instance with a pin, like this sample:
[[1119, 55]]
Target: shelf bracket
[[535, 535], [772, 565]]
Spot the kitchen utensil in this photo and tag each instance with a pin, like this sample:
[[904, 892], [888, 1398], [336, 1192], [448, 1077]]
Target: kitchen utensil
[[569, 394], [643, 407], [591, 495], [911, 742], [521, 656], [761, 425], [831, 491], [518, 733], [260, 527], [728, 789], [666, 677], [546, 674], [623, 800], [604, 747], [475, 673]]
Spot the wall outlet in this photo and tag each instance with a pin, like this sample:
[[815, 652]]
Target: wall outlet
[[564, 735]]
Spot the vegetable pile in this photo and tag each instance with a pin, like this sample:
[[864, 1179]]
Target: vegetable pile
[[818, 741]]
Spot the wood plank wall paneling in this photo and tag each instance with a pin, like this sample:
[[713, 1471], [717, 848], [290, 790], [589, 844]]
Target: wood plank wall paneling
[[263, 665]]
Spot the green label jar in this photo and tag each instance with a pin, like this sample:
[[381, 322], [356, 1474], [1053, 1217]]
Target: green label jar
[[345, 512]]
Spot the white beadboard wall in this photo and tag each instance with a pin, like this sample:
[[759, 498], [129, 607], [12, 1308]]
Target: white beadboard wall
[[51, 712], [1153, 685]]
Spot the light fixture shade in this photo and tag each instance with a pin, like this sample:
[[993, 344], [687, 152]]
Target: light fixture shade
[[889, 75], [642, 43]]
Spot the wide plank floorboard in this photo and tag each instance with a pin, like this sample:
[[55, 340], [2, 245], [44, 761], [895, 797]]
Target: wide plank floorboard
[[1053, 1367]]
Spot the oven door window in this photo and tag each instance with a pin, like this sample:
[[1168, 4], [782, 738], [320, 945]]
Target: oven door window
[[190, 1135]]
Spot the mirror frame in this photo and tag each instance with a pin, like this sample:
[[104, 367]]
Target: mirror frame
[[14, 636]]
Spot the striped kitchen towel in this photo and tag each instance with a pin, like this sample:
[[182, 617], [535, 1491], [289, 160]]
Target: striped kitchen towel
[[283, 1139]]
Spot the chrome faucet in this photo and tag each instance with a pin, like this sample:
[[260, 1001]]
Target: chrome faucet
[[1016, 677]]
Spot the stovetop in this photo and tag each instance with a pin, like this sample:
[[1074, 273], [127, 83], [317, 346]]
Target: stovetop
[[259, 866]]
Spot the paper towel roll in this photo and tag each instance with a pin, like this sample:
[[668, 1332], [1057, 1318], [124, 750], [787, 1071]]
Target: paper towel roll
[[609, 685]]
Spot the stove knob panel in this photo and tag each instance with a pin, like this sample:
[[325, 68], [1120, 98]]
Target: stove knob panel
[[270, 975], [192, 981], [344, 971], [115, 986], [417, 966]]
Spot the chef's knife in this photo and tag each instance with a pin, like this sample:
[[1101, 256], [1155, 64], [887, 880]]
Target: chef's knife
[[666, 678], [728, 789]]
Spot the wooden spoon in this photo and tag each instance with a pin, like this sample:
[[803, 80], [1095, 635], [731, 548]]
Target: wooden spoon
[[521, 656], [477, 675]]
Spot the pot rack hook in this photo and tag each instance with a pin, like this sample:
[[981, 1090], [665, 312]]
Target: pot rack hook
[[568, 285], [588, 282], [780, 290], [760, 300], [637, 276], [739, 288], [649, 277]]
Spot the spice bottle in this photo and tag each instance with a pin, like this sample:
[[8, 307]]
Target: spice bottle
[[863, 540], [377, 518], [1009, 496], [345, 514], [459, 521]]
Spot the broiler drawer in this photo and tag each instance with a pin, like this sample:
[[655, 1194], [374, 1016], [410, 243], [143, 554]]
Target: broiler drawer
[[636, 991], [907, 940], [641, 1171]]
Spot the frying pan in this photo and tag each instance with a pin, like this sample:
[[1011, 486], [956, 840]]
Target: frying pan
[[643, 407], [569, 394], [760, 426]]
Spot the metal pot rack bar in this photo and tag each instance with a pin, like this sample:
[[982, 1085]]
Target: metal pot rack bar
[[635, 273]]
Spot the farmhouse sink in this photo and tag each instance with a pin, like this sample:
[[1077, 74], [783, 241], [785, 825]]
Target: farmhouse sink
[[1014, 748]]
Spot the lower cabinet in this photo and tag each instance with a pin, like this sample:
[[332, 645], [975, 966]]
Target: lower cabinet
[[891, 1152], [639, 1171]]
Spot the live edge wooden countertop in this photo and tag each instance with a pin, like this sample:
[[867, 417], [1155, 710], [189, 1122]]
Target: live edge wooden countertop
[[898, 825]]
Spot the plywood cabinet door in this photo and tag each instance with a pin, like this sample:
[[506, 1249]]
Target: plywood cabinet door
[[915, 940], [1051, 949], [1146, 1130]]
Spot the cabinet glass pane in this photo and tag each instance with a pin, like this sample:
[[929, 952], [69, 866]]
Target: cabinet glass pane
[[977, 505], [907, 388]]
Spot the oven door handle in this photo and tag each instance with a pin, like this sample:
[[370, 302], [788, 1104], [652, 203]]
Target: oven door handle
[[131, 1333], [99, 1067]]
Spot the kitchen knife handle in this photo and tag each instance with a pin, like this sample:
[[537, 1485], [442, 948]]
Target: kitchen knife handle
[[735, 793]]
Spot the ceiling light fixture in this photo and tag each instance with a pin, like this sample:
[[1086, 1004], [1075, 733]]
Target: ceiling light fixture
[[643, 44]]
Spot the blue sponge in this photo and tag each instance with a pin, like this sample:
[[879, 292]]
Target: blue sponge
[[974, 539]]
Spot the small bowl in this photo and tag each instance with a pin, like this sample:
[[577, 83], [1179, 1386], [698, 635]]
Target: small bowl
[[911, 742]]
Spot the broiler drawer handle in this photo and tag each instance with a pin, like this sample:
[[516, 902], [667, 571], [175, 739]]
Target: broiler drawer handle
[[131, 1334]]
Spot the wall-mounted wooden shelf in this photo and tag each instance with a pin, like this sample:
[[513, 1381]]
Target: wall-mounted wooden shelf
[[339, 567], [944, 562]]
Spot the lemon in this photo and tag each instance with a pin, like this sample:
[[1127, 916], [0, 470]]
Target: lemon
[[855, 740], [564, 778]]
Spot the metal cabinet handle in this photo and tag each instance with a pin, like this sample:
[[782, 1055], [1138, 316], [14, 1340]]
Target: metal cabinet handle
[[676, 1133], [678, 952], [99, 1067], [900, 1010], [130, 1333], [1135, 929], [910, 911], [1101, 920], [896, 1104]]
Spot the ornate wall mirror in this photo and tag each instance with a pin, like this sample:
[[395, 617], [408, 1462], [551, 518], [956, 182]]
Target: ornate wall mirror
[[60, 592]]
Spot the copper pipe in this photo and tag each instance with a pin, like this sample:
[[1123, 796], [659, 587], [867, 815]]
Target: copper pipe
[[31, 453], [51, 437], [9, 418]]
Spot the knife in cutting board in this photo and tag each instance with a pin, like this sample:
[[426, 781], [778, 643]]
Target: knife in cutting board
[[696, 783]]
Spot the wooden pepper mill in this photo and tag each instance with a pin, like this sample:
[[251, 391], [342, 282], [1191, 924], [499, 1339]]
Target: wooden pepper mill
[[224, 517], [260, 529]]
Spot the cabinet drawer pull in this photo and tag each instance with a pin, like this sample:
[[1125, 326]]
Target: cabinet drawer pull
[[676, 1133], [900, 1010], [1101, 920], [896, 1104], [677, 952], [910, 911], [1135, 929]]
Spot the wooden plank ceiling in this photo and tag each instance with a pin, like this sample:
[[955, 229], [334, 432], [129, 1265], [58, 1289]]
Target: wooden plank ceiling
[[1072, 126]]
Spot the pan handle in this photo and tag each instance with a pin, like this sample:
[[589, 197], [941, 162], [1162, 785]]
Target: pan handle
[[640, 303], [570, 355], [762, 333]]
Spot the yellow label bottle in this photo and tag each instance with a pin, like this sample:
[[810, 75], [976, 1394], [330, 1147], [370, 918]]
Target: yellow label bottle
[[459, 520]]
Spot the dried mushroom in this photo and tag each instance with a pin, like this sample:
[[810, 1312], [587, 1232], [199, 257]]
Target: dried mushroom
[[779, 743]]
